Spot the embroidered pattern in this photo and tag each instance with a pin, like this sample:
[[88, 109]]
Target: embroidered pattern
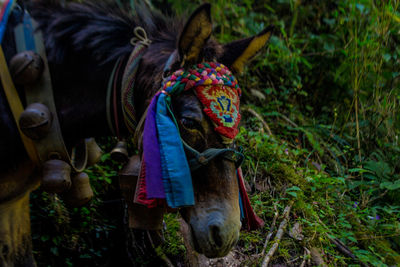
[[218, 91], [222, 107], [127, 90]]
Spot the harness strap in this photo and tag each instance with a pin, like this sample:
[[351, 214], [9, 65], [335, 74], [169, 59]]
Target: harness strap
[[115, 106], [109, 98], [52, 146], [202, 159], [15, 106], [140, 43]]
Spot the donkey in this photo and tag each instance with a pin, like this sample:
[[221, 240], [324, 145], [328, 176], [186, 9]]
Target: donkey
[[83, 44]]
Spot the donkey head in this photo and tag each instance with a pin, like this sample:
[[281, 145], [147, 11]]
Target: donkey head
[[215, 218]]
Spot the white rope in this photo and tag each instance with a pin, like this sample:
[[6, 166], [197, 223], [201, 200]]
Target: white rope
[[140, 37]]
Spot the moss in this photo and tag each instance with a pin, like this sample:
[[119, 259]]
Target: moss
[[285, 173], [173, 245], [251, 242]]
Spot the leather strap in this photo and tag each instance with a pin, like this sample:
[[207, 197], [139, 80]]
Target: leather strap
[[109, 98], [197, 159], [52, 146], [15, 106]]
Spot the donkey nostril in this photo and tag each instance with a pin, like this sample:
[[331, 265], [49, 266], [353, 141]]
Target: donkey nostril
[[215, 234]]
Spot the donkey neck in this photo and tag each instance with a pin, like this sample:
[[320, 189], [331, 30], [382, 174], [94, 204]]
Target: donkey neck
[[80, 89]]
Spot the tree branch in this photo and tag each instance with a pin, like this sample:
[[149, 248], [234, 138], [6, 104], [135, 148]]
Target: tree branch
[[278, 236]]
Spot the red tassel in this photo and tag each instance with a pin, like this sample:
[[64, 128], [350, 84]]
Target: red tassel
[[252, 221], [141, 192]]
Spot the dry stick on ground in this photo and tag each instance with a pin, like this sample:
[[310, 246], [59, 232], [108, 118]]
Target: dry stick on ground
[[260, 118], [271, 231], [342, 247], [278, 236], [345, 250], [306, 252], [288, 120]]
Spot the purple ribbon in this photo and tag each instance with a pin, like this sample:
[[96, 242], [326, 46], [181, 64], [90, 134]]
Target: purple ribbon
[[151, 153]]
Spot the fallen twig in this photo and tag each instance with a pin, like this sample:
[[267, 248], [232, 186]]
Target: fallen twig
[[345, 250], [288, 120], [342, 247], [306, 252], [260, 118], [278, 236], [271, 231]]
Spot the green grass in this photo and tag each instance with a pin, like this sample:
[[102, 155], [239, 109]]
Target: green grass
[[330, 86]]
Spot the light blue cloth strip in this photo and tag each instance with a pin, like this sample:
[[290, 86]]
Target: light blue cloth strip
[[28, 32], [19, 37], [4, 18], [25, 36], [177, 179]]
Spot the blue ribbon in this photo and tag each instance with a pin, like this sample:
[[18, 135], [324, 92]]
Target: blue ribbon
[[242, 217], [177, 179]]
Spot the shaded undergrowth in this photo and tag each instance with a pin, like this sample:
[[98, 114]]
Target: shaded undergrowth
[[326, 139], [326, 92]]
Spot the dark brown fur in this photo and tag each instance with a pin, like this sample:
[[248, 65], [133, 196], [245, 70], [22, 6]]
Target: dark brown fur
[[83, 42]]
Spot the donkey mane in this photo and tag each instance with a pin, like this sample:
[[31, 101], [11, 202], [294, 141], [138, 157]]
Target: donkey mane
[[102, 30]]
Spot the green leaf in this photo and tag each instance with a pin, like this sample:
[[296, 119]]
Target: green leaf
[[293, 188], [390, 185], [352, 239], [359, 170], [85, 256], [44, 238], [354, 184], [54, 251], [387, 57]]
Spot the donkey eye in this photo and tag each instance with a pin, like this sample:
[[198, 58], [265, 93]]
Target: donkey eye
[[190, 123]]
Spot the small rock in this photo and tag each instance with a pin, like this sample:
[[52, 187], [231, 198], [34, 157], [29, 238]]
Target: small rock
[[296, 232]]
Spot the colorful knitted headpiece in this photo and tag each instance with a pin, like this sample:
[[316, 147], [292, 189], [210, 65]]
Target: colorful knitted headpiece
[[218, 91], [167, 169]]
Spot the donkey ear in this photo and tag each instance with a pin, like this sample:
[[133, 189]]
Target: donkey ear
[[195, 34], [237, 53]]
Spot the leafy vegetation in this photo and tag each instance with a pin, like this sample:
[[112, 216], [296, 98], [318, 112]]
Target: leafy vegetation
[[328, 89], [86, 236], [330, 82]]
